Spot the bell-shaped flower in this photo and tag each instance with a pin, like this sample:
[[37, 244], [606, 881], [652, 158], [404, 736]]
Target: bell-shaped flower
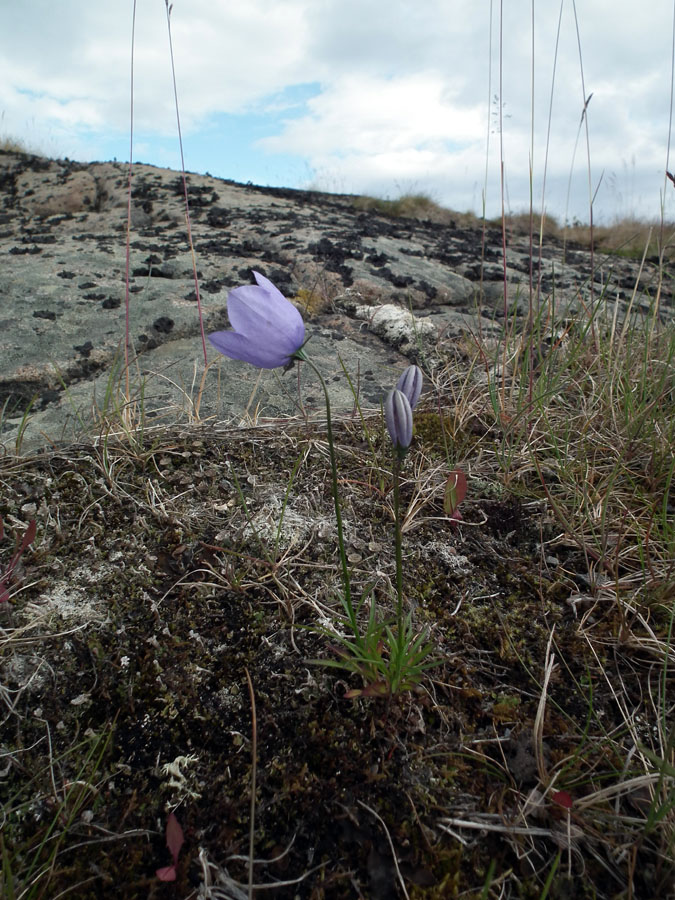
[[267, 330], [410, 384], [398, 417]]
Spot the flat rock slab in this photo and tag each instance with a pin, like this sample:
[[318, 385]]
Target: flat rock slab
[[375, 292]]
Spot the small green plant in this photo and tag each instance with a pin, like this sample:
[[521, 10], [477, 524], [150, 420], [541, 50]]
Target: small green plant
[[389, 659], [23, 424], [268, 332], [27, 870]]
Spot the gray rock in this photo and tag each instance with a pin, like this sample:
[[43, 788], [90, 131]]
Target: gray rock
[[375, 292]]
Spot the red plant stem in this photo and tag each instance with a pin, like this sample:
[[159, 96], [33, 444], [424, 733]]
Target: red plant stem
[[128, 240], [185, 191], [27, 539]]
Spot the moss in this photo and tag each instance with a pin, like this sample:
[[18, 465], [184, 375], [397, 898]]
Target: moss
[[193, 604], [433, 431], [310, 302], [442, 437]]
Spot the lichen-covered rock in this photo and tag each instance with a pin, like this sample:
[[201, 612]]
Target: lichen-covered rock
[[63, 296]]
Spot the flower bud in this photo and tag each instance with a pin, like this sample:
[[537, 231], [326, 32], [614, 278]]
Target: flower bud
[[398, 417], [410, 384]]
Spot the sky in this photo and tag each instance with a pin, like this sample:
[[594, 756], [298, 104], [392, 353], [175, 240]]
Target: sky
[[379, 97]]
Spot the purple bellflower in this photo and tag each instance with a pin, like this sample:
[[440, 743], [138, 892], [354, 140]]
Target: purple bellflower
[[267, 330], [398, 417], [410, 384]]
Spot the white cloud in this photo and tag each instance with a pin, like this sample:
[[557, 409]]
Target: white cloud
[[372, 115], [227, 56], [403, 97]]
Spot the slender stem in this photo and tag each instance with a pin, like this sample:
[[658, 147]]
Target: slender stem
[[399, 555], [346, 583], [254, 765], [128, 239], [185, 189]]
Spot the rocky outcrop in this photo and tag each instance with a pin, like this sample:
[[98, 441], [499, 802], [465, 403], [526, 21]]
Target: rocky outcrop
[[375, 292]]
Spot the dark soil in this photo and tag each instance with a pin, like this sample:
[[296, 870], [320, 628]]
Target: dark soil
[[146, 598]]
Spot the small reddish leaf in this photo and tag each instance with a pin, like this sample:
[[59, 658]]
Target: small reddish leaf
[[355, 692], [168, 873], [455, 491], [376, 689], [373, 689], [29, 536], [562, 798], [174, 837]]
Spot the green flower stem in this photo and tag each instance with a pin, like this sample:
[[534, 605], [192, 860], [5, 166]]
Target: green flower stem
[[346, 583], [398, 458]]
